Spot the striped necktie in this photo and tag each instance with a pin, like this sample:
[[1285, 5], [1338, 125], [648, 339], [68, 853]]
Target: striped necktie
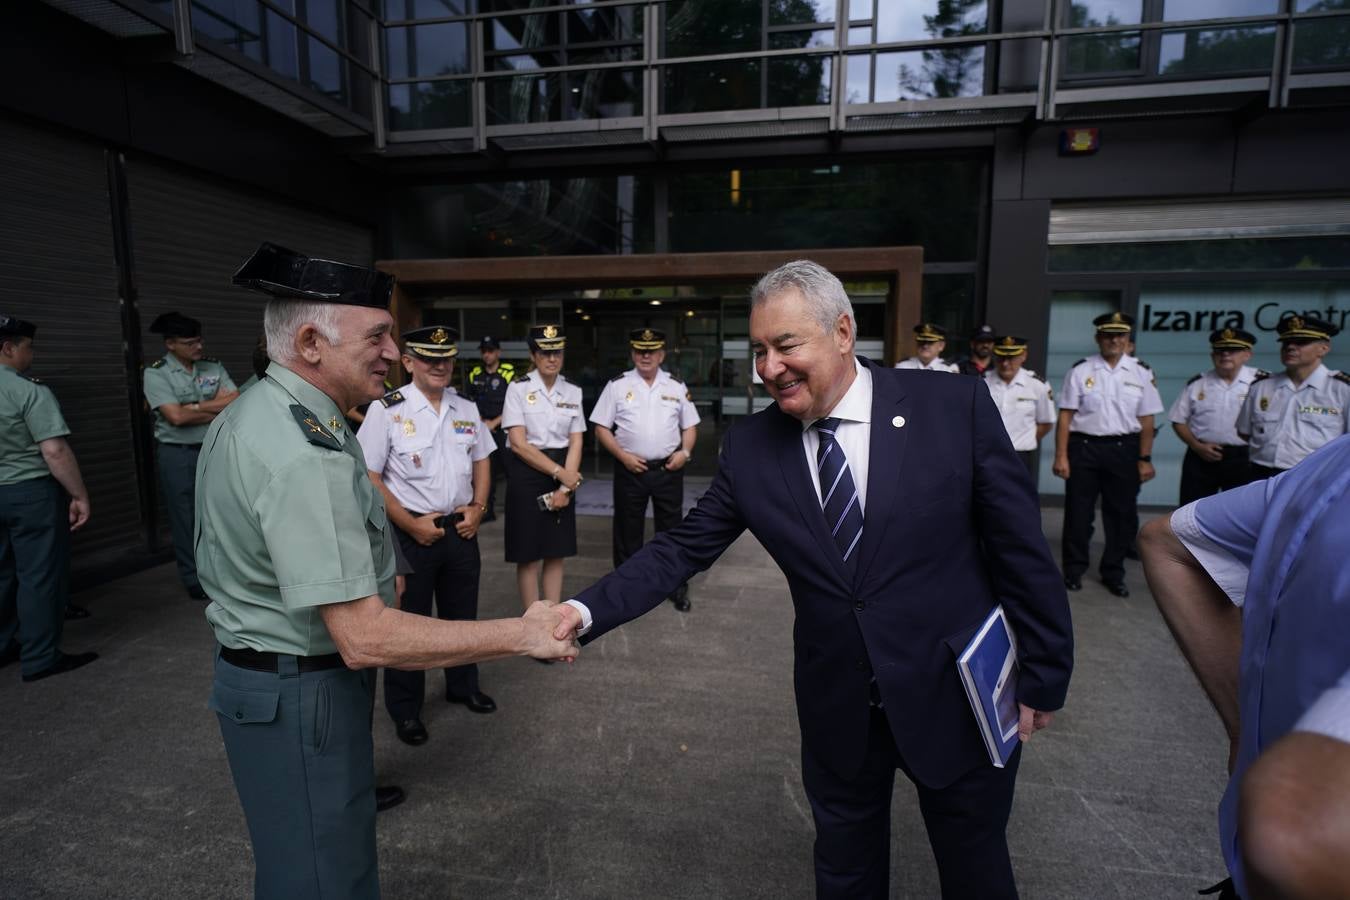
[[838, 495]]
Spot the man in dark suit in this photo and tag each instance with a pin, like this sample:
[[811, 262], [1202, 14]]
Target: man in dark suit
[[870, 486]]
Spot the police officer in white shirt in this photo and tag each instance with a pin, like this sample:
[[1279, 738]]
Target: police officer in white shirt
[[545, 425], [1289, 415], [1205, 415], [1023, 398], [427, 451], [1104, 445], [930, 340], [647, 421]]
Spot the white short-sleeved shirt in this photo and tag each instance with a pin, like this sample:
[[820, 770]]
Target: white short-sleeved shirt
[[425, 457], [1209, 405], [647, 419], [1024, 403], [549, 417], [937, 365], [1285, 423], [1108, 401]]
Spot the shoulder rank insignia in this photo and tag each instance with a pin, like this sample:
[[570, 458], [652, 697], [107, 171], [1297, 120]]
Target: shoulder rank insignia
[[1341, 377], [674, 378], [29, 378], [618, 377], [1037, 375], [1142, 363], [1079, 363], [210, 359], [158, 364], [393, 398], [313, 429], [1194, 378], [522, 379], [1261, 375]]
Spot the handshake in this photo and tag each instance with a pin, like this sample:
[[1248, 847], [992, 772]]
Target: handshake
[[550, 631]]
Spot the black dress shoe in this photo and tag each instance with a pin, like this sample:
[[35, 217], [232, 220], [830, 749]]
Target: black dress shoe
[[411, 731], [388, 797], [478, 702], [1118, 588], [76, 612], [68, 662], [1073, 584], [681, 598], [196, 593]]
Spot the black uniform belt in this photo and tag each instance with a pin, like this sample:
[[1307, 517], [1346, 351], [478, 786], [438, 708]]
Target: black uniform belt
[[1103, 438], [440, 521], [657, 463], [266, 661], [184, 446]]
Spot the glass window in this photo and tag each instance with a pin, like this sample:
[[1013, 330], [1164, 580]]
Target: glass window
[[859, 83], [524, 98], [922, 74], [917, 20], [394, 10], [1107, 54], [1089, 13], [325, 17], [1205, 256], [800, 12], [693, 30], [859, 9], [949, 301], [1217, 51], [603, 94], [422, 50], [1187, 10], [435, 104], [326, 70], [857, 36], [1324, 43], [516, 33], [799, 81], [703, 87], [237, 23], [801, 40], [280, 47]]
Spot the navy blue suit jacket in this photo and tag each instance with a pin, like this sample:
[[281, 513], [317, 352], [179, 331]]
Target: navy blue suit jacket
[[952, 527]]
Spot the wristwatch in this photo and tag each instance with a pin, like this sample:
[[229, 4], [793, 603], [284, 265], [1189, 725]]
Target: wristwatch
[[1146, 459]]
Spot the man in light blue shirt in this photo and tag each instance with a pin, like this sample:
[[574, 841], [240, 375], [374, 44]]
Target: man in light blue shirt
[[1254, 586]]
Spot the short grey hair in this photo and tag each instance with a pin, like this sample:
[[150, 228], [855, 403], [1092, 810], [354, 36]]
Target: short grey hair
[[824, 293], [282, 319]]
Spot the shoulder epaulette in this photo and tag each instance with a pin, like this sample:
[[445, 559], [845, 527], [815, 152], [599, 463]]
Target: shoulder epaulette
[[157, 364], [675, 378], [210, 359], [1261, 375], [29, 378], [618, 377], [1194, 378], [1144, 364], [523, 378], [1037, 375], [312, 429], [1341, 377], [1079, 363], [393, 398]]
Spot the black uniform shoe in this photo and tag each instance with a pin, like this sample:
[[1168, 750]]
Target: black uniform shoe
[[681, 598], [411, 731], [478, 702], [388, 797], [1073, 584], [76, 612], [9, 654], [68, 662], [196, 593], [1118, 588]]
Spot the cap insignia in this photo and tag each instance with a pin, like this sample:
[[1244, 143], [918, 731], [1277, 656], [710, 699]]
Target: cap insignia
[[1228, 334], [439, 336], [550, 332], [1296, 322], [1115, 317], [647, 335], [1009, 342]]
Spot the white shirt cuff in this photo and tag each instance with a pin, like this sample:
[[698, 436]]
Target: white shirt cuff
[[1226, 570], [1330, 715], [586, 622]]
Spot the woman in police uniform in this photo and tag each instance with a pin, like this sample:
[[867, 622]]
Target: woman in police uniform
[[543, 421]]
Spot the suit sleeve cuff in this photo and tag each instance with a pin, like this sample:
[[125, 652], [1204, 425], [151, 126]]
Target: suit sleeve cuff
[[586, 622], [1330, 715]]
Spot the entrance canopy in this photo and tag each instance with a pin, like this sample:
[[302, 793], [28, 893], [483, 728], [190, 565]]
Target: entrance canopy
[[900, 267]]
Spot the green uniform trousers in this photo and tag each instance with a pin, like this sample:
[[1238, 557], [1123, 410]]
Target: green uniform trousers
[[178, 480], [34, 570], [303, 762]]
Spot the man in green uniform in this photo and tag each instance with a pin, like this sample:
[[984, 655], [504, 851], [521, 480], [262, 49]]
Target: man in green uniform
[[42, 500], [295, 551], [187, 391]]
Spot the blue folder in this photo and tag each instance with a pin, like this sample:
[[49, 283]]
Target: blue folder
[[988, 668]]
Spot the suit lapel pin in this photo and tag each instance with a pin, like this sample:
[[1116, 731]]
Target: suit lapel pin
[[898, 421]]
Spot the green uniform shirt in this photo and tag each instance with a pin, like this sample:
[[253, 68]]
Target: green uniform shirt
[[29, 414], [252, 380], [287, 519], [167, 381]]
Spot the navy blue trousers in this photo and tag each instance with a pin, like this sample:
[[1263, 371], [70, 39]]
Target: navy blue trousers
[[178, 480], [966, 821], [34, 570], [302, 758]]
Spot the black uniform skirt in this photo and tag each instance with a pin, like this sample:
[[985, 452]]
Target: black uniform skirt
[[533, 533]]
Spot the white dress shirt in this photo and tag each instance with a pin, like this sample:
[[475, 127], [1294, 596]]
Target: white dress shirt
[[647, 419], [425, 457], [1024, 403], [1285, 423], [1108, 400], [937, 365], [551, 417], [1209, 406]]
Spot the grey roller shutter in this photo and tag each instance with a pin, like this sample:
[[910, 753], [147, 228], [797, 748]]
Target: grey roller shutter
[[190, 234], [58, 270], [1198, 220]]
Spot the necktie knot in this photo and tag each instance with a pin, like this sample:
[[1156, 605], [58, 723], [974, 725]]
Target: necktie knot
[[829, 425]]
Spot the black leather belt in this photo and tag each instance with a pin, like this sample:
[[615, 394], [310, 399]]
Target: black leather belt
[[657, 463], [1103, 438], [266, 661], [183, 446], [441, 521]]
